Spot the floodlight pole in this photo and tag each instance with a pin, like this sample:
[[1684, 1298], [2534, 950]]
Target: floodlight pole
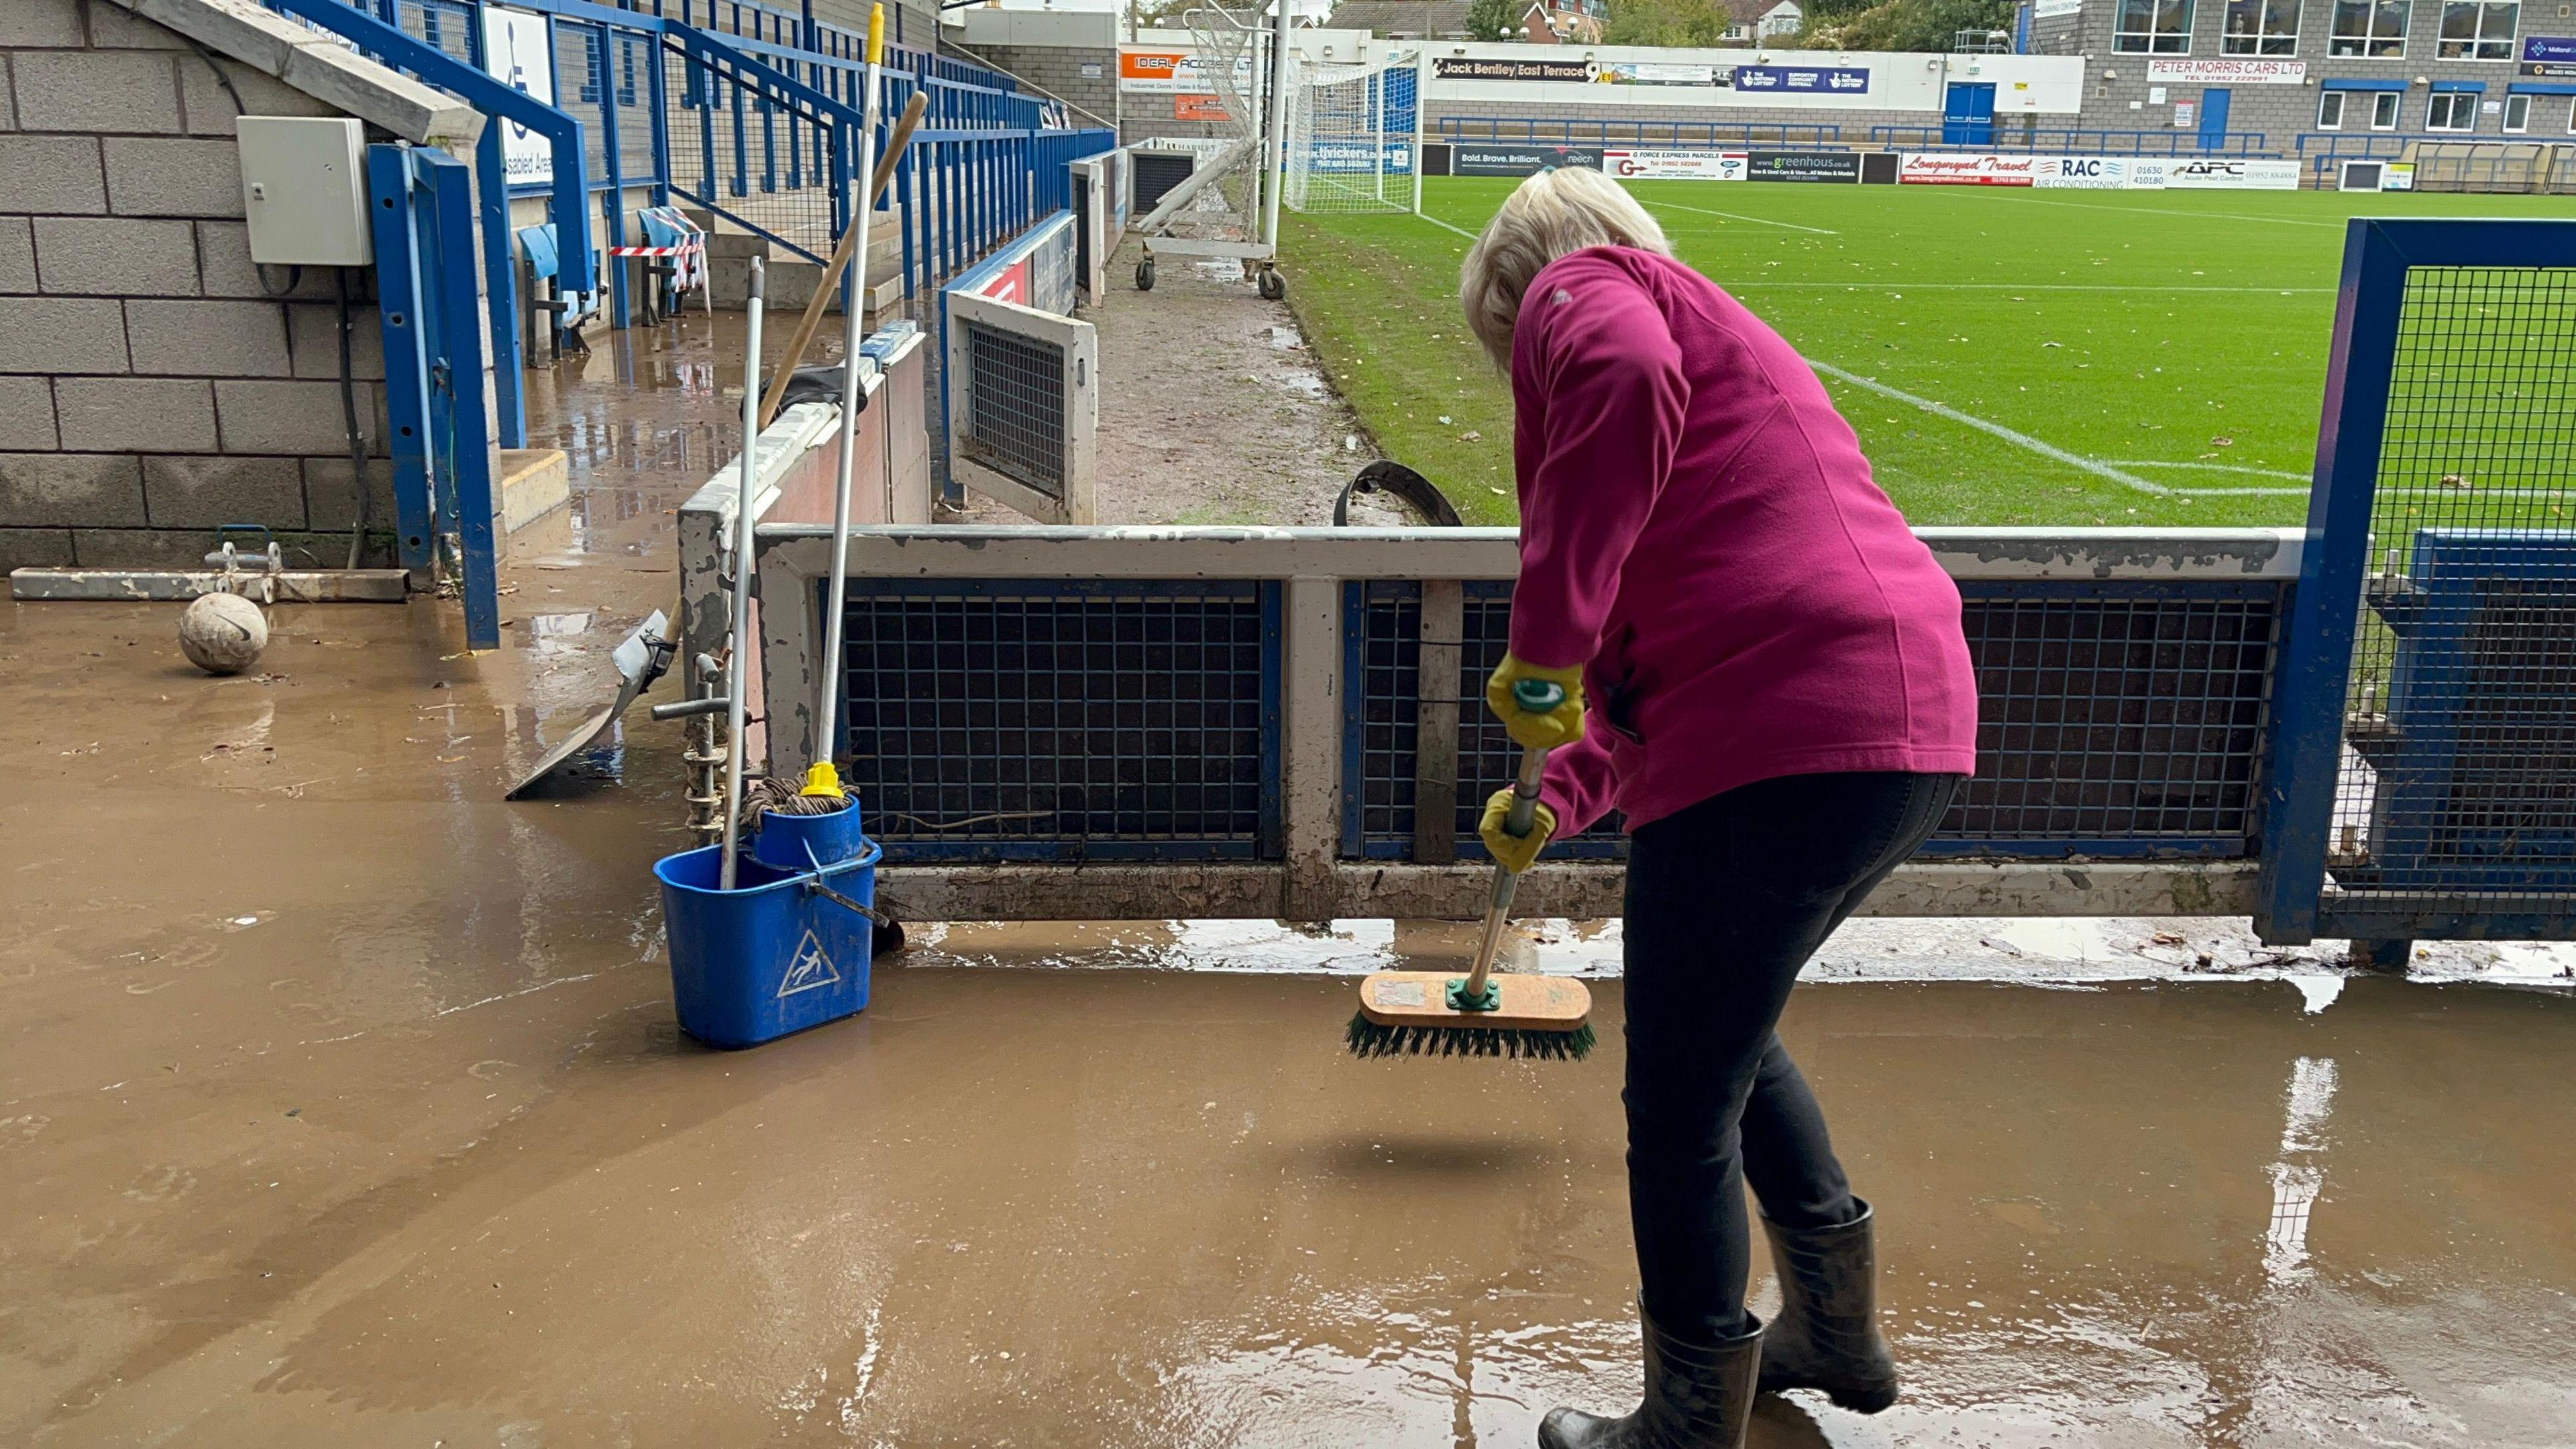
[[1277, 160]]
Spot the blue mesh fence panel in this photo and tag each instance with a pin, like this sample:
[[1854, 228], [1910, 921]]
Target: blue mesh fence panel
[[2458, 772], [578, 77]]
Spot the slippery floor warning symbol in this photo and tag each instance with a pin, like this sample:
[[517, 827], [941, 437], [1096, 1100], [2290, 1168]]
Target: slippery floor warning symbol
[[808, 969]]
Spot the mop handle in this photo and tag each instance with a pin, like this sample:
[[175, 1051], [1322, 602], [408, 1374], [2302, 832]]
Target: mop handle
[[738, 668], [853, 313], [1537, 696]]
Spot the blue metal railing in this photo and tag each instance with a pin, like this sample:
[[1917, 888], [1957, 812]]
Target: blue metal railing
[[758, 102], [2074, 141], [1579, 130]]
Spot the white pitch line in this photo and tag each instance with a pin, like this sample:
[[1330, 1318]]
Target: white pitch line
[[1733, 216], [2210, 468], [1435, 221], [2094, 466]]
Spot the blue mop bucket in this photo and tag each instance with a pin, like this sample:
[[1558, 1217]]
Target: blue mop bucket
[[775, 954]]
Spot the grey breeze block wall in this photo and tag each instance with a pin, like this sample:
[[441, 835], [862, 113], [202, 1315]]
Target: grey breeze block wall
[[1084, 76], [152, 385], [2117, 93]]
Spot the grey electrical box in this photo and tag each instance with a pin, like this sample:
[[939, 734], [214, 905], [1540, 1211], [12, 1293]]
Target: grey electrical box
[[304, 187]]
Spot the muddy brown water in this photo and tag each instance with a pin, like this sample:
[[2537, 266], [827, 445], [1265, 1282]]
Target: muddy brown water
[[340, 1103]]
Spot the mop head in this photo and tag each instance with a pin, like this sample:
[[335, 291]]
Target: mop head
[[773, 796], [1407, 1014]]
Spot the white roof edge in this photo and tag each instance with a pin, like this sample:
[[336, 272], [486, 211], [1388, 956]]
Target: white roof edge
[[320, 66]]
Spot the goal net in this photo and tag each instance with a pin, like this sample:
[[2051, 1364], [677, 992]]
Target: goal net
[[1353, 137]]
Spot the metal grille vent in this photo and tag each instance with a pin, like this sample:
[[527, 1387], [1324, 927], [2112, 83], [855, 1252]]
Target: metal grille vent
[[1054, 720], [1015, 406], [2115, 719]]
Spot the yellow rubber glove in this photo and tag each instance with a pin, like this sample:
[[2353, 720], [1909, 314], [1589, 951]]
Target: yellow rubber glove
[[1536, 730], [1517, 853]]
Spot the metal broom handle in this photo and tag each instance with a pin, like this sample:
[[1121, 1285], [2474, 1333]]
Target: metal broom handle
[[1537, 696]]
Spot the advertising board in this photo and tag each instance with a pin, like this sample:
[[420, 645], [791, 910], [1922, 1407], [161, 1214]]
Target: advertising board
[[1150, 70], [2553, 56], [1964, 169], [1834, 166], [1838, 80], [1675, 165], [2213, 173], [2084, 173], [1474, 158]]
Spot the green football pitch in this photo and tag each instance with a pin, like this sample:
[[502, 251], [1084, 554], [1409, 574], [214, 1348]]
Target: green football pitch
[[2007, 356]]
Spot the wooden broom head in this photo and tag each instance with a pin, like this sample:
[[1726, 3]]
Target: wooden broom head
[[1529, 1003]]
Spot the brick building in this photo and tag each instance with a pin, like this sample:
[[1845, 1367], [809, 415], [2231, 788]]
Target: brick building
[[2448, 69]]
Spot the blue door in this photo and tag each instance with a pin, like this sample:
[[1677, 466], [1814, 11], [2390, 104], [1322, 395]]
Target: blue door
[[2213, 120], [1969, 117]]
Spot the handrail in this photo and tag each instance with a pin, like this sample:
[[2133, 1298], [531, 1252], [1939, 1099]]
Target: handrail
[[2079, 140], [571, 189]]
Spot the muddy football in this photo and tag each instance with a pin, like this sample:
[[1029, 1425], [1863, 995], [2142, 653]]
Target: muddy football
[[223, 633]]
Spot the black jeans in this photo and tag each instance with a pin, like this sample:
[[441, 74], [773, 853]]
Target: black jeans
[[1726, 901]]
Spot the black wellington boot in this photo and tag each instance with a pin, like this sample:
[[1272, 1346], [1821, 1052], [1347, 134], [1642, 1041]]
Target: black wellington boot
[[1826, 1336], [1698, 1396]]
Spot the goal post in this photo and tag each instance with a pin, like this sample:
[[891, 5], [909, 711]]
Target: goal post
[[1355, 136]]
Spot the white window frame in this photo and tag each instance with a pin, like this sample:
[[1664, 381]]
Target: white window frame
[[2260, 41], [2479, 46], [2369, 44], [2453, 103], [2394, 102], [2333, 100], [2152, 41], [2517, 113]]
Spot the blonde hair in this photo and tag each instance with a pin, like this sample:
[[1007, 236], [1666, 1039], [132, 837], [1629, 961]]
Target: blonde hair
[[1546, 217]]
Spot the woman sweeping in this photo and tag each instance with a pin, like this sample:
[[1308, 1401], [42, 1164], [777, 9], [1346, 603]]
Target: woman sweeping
[[1765, 672]]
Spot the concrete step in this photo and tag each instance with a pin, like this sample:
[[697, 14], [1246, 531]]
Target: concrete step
[[533, 483]]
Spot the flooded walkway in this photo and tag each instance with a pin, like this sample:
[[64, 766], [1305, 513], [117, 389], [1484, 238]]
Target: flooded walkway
[[340, 1103]]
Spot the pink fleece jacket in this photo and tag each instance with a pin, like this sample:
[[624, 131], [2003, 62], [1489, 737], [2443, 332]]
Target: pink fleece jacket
[[1700, 531]]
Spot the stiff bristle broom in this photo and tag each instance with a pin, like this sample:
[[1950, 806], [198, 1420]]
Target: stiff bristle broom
[[1482, 1014]]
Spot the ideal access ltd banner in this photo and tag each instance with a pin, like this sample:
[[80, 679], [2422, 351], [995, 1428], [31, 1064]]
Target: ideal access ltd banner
[[1143, 70], [1676, 165]]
